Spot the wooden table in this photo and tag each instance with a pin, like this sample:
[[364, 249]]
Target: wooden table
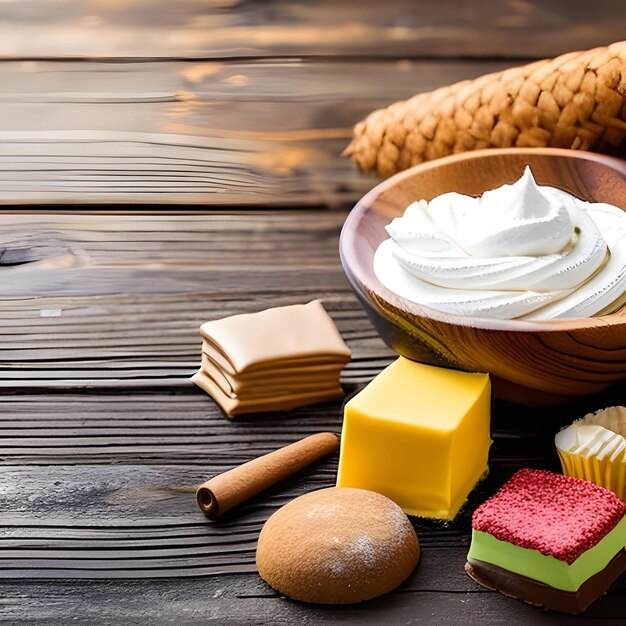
[[224, 121]]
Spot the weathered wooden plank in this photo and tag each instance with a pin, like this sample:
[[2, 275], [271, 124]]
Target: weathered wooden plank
[[45, 511], [72, 524], [246, 599], [264, 132], [165, 428], [170, 428], [188, 28], [258, 260], [133, 319], [105, 338], [151, 508]]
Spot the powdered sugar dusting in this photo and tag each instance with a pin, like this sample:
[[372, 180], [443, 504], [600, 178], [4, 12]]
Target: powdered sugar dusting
[[364, 543], [337, 545], [321, 511], [362, 547], [359, 552]]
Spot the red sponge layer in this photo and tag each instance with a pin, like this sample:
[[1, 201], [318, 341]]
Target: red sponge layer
[[556, 515]]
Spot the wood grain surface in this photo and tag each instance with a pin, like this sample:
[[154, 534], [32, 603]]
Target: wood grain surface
[[227, 28], [125, 295], [233, 103], [258, 132], [244, 599], [241, 108]]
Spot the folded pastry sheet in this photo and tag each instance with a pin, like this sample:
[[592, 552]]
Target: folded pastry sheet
[[275, 360], [275, 383], [302, 333]]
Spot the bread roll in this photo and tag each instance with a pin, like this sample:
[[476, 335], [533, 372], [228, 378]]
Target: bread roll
[[337, 546]]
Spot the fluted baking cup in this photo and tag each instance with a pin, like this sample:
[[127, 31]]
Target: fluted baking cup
[[594, 448]]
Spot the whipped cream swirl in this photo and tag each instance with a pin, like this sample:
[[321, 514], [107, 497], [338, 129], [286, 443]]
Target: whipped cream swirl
[[519, 251]]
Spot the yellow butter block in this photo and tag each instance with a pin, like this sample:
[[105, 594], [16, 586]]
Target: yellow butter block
[[419, 435]]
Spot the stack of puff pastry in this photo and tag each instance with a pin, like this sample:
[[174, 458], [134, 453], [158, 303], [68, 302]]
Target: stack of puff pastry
[[275, 360]]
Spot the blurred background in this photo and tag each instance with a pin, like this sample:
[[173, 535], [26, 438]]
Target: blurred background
[[227, 102]]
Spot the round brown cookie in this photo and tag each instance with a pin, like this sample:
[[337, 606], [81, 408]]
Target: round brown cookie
[[337, 546]]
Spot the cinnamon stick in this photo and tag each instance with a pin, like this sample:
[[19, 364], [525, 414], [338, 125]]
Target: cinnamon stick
[[224, 491]]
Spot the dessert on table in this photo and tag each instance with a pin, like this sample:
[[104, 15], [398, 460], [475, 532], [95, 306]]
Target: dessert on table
[[550, 540], [594, 448], [274, 360], [337, 546], [415, 440], [419, 435], [521, 251]]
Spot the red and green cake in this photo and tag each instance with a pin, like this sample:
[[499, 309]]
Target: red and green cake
[[550, 540]]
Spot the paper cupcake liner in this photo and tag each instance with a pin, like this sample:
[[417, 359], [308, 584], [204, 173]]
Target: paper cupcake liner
[[594, 448], [603, 472]]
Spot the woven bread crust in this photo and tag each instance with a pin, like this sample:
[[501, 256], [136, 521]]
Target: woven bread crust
[[576, 100]]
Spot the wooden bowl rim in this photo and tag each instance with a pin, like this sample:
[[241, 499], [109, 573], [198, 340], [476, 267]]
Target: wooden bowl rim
[[373, 285]]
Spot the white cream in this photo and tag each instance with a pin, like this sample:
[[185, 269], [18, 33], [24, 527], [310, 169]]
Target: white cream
[[519, 251], [600, 434]]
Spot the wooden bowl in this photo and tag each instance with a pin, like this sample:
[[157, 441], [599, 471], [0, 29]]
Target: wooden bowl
[[535, 363]]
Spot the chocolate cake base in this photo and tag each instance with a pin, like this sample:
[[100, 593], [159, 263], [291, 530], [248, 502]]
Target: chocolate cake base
[[539, 594]]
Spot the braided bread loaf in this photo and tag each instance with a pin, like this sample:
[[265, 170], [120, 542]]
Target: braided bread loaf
[[577, 100]]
